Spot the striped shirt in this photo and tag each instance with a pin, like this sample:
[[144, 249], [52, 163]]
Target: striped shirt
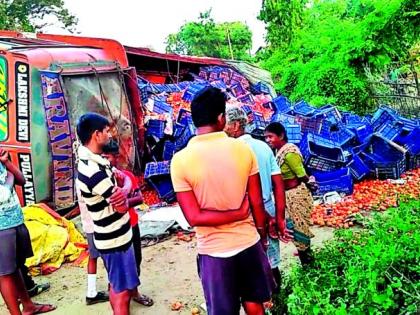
[[96, 181]]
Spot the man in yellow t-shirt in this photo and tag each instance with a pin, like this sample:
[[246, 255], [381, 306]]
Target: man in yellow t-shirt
[[211, 176]]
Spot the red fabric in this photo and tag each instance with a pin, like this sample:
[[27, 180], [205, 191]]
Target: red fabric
[[134, 217]]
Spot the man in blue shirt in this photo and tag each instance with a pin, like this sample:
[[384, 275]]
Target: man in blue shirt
[[271, 182], [15, 245]]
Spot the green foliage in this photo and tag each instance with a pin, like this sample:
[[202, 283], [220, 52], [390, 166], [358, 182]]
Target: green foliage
[[28, 15], [324, 61], [375, 270], [208, 38], [283, 19]]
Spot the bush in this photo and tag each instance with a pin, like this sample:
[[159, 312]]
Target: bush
[[375, 270]]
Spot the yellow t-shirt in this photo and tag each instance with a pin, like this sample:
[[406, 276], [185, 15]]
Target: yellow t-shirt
[[217, 168]]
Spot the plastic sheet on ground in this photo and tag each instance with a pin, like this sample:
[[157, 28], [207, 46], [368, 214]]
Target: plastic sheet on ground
[[55, 240], [165, 214], [155, 225]]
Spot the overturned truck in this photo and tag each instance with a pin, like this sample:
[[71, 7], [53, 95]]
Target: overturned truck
[[46, 83]]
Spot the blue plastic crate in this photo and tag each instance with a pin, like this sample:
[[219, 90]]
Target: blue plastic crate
[[283, 105], [160, 107], [358, 168], [155, 127], [191, 91], [182, 140], [411, 142], [385, 158], [321, 154], [238, 89], [294, 133], [184, 117], [219, 84], [177, 130], [248, 109], [383, 116], [225, 75], [256, 124], [144, 89], [362, 130], [350, 118], [310, 124], [246, 99], [168, 150], [283, 118], [330, 113], [390, 131], [340, 181], [304, 109], [260, 88], [158, 176], [344, 137]]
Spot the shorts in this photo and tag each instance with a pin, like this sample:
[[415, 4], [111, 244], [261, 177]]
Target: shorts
[[15, 247], [228, 282], [93, 251], [137, 247], [121, 269]]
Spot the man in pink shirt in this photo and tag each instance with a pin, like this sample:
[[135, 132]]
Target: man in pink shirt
[[211, 176]]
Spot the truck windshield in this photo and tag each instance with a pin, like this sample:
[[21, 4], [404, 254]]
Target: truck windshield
[[102, 93]]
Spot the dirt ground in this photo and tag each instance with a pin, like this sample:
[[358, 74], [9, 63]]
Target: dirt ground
[[168, 275]]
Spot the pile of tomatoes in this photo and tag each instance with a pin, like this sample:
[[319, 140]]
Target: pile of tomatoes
[[369, 195]]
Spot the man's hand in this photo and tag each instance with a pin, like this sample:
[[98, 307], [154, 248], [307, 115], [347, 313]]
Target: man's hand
[[264, 242], [119, 200], [284, 234], [4, 156], [272, 227]]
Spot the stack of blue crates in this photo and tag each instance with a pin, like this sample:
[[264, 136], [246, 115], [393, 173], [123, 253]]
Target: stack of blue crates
[[340, 180], [155, 127], [256, 124], [158, 176], [321, 154]]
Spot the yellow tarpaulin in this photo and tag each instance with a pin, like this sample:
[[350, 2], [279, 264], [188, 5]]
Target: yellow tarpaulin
[[55, 240]]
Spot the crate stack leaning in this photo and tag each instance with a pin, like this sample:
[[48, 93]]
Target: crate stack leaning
[[168, 120], [339, 147]]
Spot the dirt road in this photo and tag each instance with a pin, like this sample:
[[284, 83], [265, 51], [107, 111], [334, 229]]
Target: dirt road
[[168, 274]]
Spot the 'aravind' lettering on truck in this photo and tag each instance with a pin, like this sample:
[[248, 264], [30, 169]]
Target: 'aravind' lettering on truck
[[61, 144], [22, 101], [25, 165]]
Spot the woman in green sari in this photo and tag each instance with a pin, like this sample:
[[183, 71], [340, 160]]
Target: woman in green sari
[[299, 201]]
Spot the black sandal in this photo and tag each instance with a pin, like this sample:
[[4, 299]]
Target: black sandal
[[38, 289], [143, 300]]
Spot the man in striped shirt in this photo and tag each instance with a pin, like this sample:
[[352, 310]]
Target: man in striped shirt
[[108, 207]]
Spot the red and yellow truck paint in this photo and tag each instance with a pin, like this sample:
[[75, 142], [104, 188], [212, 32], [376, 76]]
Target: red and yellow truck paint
[[45, 85]]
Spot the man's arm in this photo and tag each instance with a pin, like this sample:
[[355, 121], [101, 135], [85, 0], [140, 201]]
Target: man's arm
[[135, 200], [257, 204], [10, 180], [201, 217], [280, 200], [17, 174]]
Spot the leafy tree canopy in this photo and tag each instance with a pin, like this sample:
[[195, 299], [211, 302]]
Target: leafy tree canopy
[[205, 37], [30, 15], [323, 57]]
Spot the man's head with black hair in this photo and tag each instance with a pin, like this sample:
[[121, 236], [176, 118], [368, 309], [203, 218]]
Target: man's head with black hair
[[93, 131], [208, 108]]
